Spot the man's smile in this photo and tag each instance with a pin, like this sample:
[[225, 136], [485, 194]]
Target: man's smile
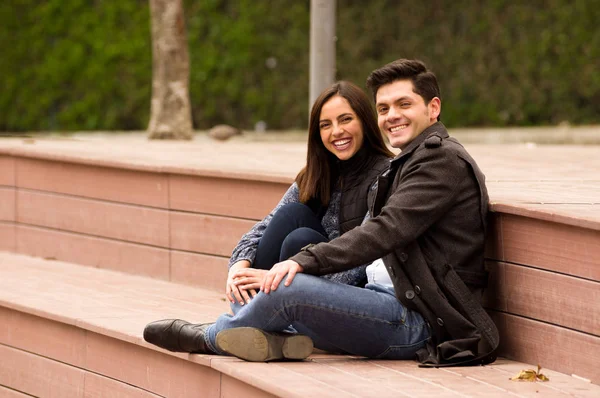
[[398, 128]]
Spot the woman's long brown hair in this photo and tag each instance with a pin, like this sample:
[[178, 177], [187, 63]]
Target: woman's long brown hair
[[314, 180]]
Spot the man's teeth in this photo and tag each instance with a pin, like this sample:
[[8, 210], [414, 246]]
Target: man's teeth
[[341, 142], [398, 128]]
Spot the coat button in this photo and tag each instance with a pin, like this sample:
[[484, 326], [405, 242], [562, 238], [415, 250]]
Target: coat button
[[440, 321], [410, 294], [391, 270], [417, 289], [403, 257]]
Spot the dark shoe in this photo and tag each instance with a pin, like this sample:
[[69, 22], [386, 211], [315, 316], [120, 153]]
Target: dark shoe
[[178, 335], [256, 345]]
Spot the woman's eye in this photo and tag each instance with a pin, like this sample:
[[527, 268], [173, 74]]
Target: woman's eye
[[323, 126]]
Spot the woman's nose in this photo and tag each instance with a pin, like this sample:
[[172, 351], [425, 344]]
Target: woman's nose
[[338, 130]]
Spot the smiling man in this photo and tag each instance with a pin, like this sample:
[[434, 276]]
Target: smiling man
[[403, 113], [424, 237]]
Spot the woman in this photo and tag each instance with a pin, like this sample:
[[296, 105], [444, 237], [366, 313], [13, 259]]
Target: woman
[[346, 152]]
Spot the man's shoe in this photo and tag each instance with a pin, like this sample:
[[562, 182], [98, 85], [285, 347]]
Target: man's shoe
[[178, 335], [256, 345]]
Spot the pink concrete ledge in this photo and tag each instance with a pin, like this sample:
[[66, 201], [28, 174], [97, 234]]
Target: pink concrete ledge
[[549, 181], [92, 319]]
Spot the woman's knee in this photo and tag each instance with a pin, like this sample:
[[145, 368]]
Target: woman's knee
[[295, 211], [297, 239]]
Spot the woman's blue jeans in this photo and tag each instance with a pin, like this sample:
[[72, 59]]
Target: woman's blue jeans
[[339, 318], [292, 227]]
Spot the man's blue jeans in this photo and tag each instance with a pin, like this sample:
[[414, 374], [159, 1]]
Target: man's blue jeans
[[339, 318]]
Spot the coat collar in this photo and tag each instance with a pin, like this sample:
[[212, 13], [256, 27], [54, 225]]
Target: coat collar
[[437, 129]]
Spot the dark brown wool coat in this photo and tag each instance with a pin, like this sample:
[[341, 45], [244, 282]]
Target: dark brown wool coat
[[429, 224]]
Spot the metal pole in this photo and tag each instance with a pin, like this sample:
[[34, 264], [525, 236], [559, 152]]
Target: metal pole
[[322, 47]]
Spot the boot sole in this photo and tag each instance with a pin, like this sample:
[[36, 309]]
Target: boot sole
[[256, 345]]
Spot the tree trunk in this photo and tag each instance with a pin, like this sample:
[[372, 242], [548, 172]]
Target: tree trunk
[[171, 115]]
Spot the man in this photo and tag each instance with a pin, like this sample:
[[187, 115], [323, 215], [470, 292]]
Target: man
[[425, 238]]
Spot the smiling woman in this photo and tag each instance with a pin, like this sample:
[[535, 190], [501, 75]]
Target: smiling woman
[[341, 130]]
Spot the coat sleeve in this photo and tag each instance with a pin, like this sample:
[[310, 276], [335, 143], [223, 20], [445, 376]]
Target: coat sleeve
[[428, 186], [246, 247]]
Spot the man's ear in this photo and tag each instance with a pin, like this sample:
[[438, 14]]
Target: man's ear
[[435, 108]]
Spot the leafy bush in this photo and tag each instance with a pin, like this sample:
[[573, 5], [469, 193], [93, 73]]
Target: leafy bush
[[84, 65], [249, 62], [499, 62], [74, 64]]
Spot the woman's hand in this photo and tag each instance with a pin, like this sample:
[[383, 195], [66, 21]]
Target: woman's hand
[[249, 279], [276, 274], [232, 292]]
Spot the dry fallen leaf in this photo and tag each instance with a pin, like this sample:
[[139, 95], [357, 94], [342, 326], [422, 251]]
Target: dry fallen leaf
[[531, 375]]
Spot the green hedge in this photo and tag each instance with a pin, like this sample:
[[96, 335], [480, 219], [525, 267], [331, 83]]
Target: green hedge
[[83, 64], [75, 64], [499, 62]]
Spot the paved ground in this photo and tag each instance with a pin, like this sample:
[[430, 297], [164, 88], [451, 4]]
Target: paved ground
[[560, 181]]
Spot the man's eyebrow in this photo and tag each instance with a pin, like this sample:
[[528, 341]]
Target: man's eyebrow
[[404, 98]]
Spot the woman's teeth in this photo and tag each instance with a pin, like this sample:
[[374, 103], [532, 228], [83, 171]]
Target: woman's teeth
[[340, 143]]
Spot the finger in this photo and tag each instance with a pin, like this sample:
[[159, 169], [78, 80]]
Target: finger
[[237, 295], [290, 277], [253, 292], [278, 278], [266, 282], [241, 281], [244, 272], [228, 292], [245, 296], [250, 286], [246, 280]]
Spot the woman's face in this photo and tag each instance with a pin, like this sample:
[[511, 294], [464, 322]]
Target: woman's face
[[341, 130]]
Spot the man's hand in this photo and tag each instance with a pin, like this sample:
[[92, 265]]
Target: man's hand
[[249, 279], [278, 272], [231, 290]]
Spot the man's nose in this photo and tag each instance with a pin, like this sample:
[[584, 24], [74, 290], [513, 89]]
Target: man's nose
[[393, 113]]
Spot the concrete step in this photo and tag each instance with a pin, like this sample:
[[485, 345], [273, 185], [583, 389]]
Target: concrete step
[[72, 331]]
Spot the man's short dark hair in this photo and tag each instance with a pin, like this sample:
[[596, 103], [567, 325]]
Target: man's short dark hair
[[424, 81]]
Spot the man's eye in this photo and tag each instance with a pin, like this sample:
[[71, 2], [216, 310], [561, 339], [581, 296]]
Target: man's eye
[[381, 110], [405, 104]]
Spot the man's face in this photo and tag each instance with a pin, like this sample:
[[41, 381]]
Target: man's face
[[402, 114]]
